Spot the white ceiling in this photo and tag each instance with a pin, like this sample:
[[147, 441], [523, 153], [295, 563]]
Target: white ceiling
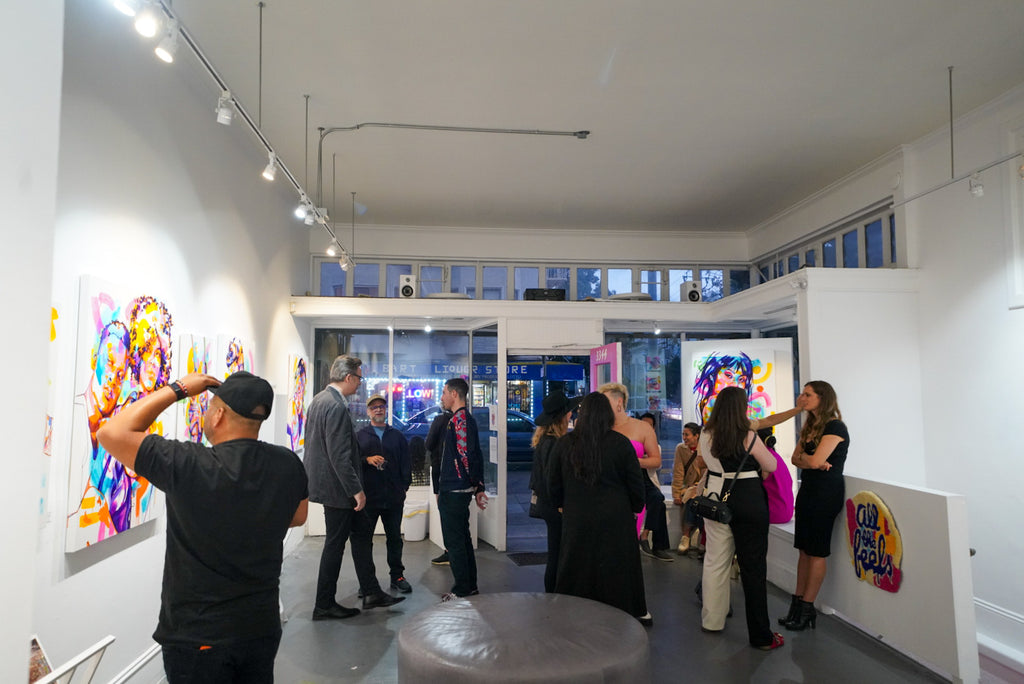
[[704, 115]]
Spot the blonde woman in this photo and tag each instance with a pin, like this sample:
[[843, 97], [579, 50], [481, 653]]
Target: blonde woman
[[820, 455], [552, 423]]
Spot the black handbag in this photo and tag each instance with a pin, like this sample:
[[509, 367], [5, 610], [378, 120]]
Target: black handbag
[[713, 506]]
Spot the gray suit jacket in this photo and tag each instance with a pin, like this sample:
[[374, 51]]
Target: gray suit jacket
[[332, 452]]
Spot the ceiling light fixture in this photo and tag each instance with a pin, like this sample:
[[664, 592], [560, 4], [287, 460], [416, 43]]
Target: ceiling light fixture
[[147, 22], [977, 189], [271, 170], [657, 331], [224, 111], [127, 7], [427, 328], [304, 207], [331, 251], [168, 46]]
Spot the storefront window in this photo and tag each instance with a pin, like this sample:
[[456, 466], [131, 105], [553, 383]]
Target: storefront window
[[526, 277]]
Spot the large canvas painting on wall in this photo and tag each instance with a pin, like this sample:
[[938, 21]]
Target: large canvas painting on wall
[[123, 353], [763, 367]]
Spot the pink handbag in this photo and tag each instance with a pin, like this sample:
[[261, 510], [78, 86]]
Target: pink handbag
[[779, 487]]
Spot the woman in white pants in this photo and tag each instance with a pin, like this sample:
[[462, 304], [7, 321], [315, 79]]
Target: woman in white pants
[[724, 442]]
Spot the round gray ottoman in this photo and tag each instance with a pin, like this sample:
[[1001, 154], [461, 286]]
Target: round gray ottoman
[[523, 638]]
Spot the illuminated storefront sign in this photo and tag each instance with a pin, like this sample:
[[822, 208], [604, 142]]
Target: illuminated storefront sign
[[876, 547]]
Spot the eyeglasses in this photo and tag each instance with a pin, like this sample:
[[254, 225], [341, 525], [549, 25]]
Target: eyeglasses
[[358, 376], [379, 407]]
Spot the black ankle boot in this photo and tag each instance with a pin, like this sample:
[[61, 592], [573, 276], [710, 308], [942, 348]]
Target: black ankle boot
[[807, 617], [794, 610]]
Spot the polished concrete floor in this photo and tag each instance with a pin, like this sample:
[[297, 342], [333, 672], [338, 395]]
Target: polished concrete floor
[[363, 648]]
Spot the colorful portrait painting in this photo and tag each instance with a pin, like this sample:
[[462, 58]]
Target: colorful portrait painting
[[124, 353], [716, 371], [234, 354], [296, 402], [195, 353]]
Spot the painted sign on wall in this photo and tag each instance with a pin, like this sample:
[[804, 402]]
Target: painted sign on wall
[[874, 541]]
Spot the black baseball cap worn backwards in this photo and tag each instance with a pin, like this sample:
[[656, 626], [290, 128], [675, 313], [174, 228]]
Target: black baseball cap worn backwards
[[247, 395]]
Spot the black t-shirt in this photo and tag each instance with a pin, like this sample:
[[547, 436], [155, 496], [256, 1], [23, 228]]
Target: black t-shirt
[[838, 456], [228, 510]]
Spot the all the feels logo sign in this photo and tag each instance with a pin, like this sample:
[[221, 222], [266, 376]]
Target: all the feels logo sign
[[874, 541]]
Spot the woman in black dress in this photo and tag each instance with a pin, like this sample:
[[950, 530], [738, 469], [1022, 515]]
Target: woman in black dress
[[552, 424], [820, 455], [597, 482]]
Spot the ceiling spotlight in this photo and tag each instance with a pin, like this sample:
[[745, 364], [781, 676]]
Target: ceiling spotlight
[[303, 208], [343, 262], [169, 45], [657, 331], [126, 7], [147, 22], [977, 189], [331, 251], [271, 169], [224, 111], [427, 328]]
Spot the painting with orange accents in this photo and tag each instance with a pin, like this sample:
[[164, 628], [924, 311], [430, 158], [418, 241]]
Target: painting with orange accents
[[124, 353], [754, 372], [234, 354], [194, 355]]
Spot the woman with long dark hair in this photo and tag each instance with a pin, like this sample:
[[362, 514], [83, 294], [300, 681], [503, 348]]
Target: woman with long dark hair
[[552, 424], [724, 444], [597, 482], [821, 456]]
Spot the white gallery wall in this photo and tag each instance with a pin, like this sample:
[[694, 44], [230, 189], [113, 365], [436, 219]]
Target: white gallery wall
[[928, 374], [30, 33], [154, 195], [970, 349]]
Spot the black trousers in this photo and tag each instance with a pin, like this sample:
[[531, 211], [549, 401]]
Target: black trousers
[[344, 524], [243, 662], [554, 524], [454, 510], [749, 525], [655, 520], [392, 520]]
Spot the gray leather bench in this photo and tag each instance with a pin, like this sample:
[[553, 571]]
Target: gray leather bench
[[519, 637]]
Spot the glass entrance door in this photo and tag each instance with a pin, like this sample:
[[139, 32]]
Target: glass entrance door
[[530, 379]]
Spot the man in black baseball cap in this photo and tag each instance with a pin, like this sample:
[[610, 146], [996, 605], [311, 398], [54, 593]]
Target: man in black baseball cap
[[229, 507]]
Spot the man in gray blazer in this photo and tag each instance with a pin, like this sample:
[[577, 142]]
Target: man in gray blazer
[[333, 467]]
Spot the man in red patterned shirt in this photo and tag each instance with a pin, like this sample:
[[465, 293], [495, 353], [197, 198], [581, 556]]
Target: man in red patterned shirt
[[461, 479]]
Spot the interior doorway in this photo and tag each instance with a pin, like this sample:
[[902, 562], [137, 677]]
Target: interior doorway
[[530, 379]]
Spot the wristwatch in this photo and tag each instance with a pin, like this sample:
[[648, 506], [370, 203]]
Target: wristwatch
[[179, 390]]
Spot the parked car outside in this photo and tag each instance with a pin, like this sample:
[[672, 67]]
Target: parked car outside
[[520, 432]]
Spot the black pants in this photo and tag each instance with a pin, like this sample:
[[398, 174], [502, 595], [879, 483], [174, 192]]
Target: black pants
[[554, 524], [392, 520], [243, 662], [749, 525], [343, 524], [454, 510], [655, 520]]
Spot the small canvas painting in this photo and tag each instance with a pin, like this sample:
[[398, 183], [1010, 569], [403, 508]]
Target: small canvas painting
[[296, 402], [194, 356]]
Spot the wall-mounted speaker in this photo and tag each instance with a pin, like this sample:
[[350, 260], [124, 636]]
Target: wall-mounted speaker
[[407, 286], [543, 294], [690, 291]]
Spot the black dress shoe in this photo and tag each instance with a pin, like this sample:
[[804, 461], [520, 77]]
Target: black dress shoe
[[381, 600], [335, 612], [402, 585]]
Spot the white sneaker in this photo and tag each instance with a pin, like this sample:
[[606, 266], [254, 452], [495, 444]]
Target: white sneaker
[[684, 544]]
